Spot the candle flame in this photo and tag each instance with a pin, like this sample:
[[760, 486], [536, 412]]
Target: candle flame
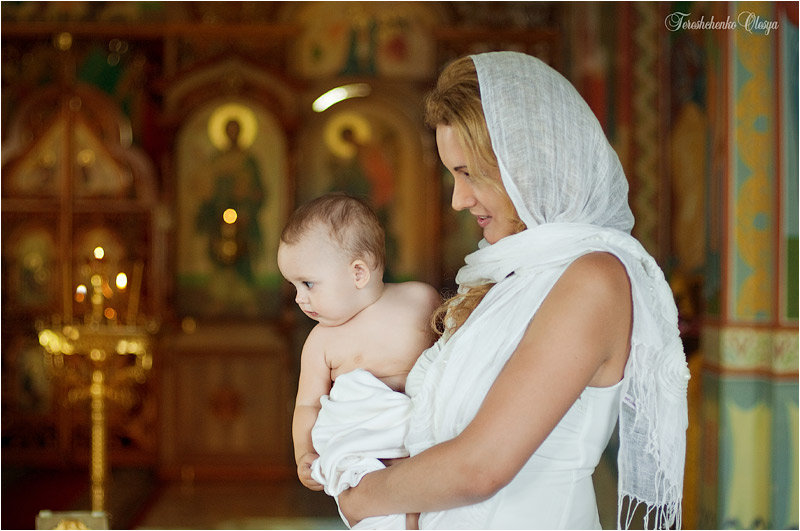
[[229, 216], [80, 293]]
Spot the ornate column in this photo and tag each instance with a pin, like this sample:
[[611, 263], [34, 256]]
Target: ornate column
[[750, 378]]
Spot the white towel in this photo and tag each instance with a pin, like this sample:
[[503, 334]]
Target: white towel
[[362, 420]]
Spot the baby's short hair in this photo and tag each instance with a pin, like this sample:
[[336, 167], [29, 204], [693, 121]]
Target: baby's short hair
[[350, 221]]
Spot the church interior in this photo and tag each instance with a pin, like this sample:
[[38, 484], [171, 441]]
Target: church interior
[[152, 151]]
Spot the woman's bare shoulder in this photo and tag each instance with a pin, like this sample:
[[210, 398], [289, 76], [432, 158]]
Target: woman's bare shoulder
[[596, 298], [416, 293], [598, 273]]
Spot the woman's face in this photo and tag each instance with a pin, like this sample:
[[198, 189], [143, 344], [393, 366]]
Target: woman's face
[[489, 206]]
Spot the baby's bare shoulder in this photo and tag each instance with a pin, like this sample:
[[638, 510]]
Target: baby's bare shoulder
[[318, 336]]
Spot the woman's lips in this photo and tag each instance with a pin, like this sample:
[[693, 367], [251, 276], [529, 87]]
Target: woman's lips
[[483, 221]]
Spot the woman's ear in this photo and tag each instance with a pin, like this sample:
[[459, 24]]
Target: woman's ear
[[361, 273]]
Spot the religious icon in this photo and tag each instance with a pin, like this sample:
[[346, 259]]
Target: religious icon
[[365, 39], [362, 165], [231, 199], [32, 267], [230, 206], [231, 159]]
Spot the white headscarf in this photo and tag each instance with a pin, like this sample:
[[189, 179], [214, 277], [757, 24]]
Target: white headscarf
[[555, 160], [568, 186]]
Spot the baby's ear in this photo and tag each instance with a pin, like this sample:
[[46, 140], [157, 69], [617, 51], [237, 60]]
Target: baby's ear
[[361, 273]]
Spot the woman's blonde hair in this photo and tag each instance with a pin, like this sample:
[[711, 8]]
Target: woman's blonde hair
[[456, 102]]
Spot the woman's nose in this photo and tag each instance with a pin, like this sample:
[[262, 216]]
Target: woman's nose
[[463, 196]]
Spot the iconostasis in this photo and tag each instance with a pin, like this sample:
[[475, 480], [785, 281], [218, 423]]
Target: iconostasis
[[174, 139], [80, 211]]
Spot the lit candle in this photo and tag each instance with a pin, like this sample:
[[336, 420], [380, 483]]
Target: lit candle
[[229, 216], [80, 293]]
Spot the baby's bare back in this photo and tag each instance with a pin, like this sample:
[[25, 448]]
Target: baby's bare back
[[385, 338]]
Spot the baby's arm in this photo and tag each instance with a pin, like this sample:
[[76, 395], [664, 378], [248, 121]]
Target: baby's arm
[[314, 382]]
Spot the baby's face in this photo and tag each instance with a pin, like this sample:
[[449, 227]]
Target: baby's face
[[321, 274]]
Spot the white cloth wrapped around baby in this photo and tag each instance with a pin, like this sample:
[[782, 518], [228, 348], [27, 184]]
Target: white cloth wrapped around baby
[[361, 421]]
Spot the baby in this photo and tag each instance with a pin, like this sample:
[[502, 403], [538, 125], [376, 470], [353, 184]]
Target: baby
[[355, 361]]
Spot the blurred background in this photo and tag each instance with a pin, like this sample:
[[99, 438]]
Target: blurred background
[[151, 152]]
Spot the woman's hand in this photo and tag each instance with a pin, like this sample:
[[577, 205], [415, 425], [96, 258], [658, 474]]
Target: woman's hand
[[347, 503], [304, 471], [346, 506], [356, 504]]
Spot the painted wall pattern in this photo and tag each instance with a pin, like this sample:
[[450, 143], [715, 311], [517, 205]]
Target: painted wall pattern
[[753, 172], [752, 357], [750, 437], [645, 100], [789, 168], [773, 352]]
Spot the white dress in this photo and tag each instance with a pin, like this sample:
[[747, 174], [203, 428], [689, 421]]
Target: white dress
[[556, 482], [568, 187], [554, 489]]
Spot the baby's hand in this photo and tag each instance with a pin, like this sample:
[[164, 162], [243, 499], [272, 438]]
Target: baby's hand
[[304, 471]]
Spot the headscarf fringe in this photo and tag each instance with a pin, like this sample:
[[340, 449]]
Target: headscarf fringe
[[653, 516]]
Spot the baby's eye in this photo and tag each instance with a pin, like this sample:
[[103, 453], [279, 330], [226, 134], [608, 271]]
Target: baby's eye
[[308, 284]]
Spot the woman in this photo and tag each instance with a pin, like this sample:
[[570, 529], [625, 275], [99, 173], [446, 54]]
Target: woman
[[563, 324]]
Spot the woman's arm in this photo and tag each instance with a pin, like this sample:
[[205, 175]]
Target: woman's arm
[[579, 337]]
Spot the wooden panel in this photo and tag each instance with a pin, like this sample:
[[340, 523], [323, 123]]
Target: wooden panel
[[227, 395]]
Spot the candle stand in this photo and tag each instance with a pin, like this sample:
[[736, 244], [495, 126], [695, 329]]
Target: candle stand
[[100, 359]]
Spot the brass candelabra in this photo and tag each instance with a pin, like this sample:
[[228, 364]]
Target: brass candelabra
[[117, 349]]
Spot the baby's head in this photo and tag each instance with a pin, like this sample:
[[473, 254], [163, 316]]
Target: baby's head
[[331, 249], [350, 223]]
